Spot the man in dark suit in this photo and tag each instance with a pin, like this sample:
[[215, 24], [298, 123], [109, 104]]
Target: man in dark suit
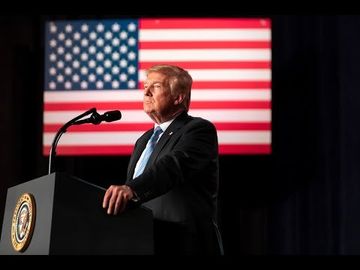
[[173, 169]]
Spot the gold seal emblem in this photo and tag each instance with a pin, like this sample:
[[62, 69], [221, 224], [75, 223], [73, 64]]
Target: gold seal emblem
[[23, 221]]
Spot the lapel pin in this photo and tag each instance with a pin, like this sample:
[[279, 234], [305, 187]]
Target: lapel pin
[[171, 133]]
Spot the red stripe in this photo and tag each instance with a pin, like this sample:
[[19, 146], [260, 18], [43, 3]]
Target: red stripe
[[106, 127], [204, 45], [182, 23], [225, 84], [211, 65], [139, 106], [90, 150], [245, 149], [127, 150]]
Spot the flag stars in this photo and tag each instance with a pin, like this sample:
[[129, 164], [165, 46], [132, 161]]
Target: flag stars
[[107, 77], [123, 77], [100, 56], [52, 57], [115, 56], [68, 57], [123, 63], [100, 42], [84, 42], [60, 50], [61, 36], [108, 35], [107, 49], [92, 49], [107, 63], [52, 71], [68, 70], [115, 70], [131, 69], [132, 56], [92, 63], [116, 42], [68, 28], [131, 84], [53, 43], [85, 28], [77, 36], [115, 27], [76, 64], [76, 50], [115, 84], [123, 49], [123, 35], [60, 78], [100, 70], [84, 57], [132, 27], [93, 36], [52, 85], [53, 28], [68, 85], [68, 43], [92, 78], [76, 78], [84, 70], [99, 85], [84, 85], [60, 64], [132, 41], [100, 27]]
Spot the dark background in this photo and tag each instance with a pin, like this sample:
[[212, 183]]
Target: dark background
[[303, 199]]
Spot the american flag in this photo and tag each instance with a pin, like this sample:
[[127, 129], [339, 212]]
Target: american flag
[[102, 63]]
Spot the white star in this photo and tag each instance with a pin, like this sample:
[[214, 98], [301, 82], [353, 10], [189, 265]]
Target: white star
[[77, 36], [132, 27], [108, 35], [115, 70], [84, 42], [92, 77], [83, 84], [68, 43], [93, 35], [76, 78], [68, 57], [115, 42], [100, 42], [68, 71], [132, 41], [76, 64], [52, 85], [84, 70], [53, 43], [123, 63], [84, 56], [61, 36], [107, 77], [123, 48], [123, 35], [107, 63], [84, 28], [92, 63], [100, 70], [131, 56], [123, 77], [115, 84], [92, 49], [68, 28], [76, 50], [99, 84], [67, 85], [60, 50], [52, 57], [60, 78], [100, 27], [99, 56], [115, 27], [115, 56], [131, 69], [52, 71], [53, 28], [60, 64], [131, 84], [107, 49]]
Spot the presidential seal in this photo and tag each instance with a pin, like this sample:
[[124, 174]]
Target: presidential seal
[[23, 222]]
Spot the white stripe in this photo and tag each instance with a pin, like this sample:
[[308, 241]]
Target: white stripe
[[205, 55], [92, 95], [52, 97], [225, 74], [138, 116], [129, 138], [205, 34]]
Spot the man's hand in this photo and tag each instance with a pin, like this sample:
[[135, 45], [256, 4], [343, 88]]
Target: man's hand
[[116, 198]]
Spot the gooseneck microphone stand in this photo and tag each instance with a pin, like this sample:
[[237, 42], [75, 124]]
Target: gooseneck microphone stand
[[61, 131]]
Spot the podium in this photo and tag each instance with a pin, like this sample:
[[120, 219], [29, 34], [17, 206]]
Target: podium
[[67, 218]]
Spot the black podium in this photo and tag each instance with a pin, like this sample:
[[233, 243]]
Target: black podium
[[69, 219]]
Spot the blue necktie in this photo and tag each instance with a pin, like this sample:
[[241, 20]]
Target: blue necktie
[[147, 152]]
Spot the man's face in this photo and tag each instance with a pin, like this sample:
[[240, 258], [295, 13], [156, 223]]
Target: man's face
[[158, 102]]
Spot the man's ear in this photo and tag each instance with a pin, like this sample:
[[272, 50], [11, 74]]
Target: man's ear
[[179, 99]]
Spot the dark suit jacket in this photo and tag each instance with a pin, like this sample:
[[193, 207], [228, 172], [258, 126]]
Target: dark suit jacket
[[180, 181]]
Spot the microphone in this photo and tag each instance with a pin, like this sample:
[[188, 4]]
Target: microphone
[[97, 118]]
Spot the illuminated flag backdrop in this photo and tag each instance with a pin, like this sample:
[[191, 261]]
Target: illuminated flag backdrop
[[101, 63]]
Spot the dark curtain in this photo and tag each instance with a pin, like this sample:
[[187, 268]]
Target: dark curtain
[[301, 199]]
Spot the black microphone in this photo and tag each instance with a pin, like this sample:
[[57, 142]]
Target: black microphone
[[97, 118]]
